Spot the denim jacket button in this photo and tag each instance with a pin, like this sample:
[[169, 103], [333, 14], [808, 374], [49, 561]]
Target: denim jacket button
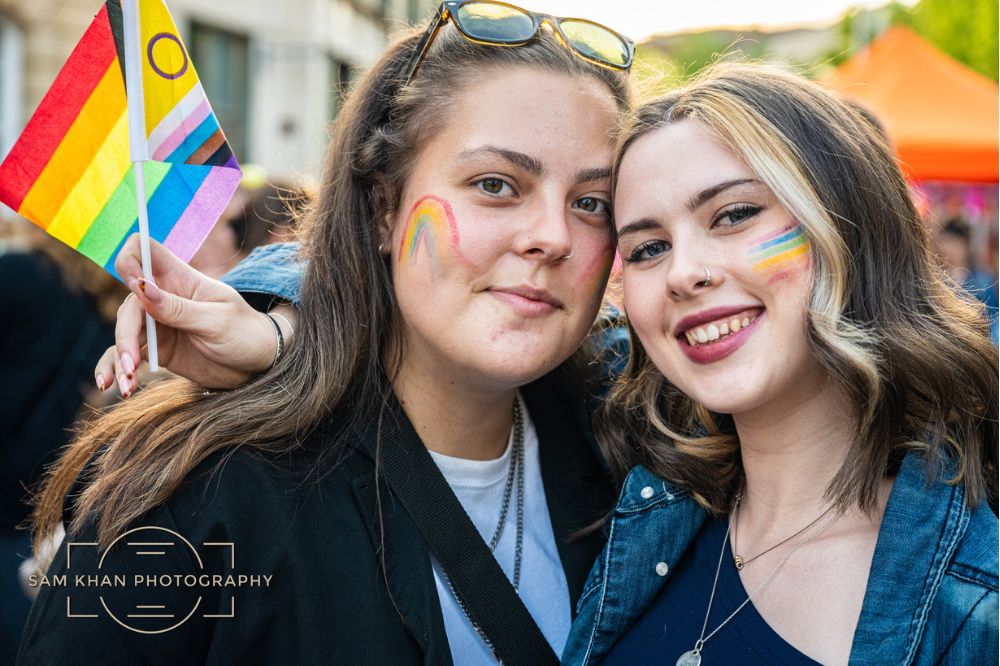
[[662, 568], [646, 492]]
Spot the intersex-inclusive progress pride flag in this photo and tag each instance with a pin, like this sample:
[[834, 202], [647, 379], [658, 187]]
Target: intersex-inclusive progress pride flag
[[70, 172]]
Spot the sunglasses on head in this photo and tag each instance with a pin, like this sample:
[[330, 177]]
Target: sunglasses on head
[[502, 24]]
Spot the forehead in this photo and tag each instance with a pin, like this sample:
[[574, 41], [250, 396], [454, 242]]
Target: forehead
[[664, 168], [550, 115]]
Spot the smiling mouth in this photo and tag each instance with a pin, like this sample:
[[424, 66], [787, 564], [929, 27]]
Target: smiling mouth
[[713, 332]]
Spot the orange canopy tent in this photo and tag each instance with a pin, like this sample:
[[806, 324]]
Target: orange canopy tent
[[941, 116]]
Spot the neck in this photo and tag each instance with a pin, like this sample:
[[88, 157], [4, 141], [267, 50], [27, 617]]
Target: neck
[[453, 417], [790, 453]]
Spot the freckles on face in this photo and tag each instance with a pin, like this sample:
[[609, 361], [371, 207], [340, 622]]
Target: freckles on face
[[430, 233], [780, 254]]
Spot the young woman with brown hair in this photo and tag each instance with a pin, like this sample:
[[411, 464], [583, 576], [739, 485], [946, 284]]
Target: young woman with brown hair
[[457, 259]]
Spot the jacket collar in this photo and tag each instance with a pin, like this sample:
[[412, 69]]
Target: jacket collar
[[395, 540], [923, 524]]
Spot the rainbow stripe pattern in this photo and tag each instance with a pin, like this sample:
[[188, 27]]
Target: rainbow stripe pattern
[[788, 245], [70, 172], [432, 224]]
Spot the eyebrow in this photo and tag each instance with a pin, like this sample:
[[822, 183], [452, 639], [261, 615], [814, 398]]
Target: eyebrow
[[695, 202], [591, 175], [642, 224], [646, 223], [526, 162]]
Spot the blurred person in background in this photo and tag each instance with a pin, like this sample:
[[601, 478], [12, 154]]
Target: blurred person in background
[[58, 310], [954, 248]]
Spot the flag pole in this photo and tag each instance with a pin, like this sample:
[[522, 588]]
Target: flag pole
[[139, 151]]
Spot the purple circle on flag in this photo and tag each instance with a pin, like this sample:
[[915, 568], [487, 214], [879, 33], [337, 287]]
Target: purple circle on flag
[[152, 63]]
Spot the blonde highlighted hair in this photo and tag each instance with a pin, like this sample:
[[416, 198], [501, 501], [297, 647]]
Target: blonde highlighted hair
[[911, 354]]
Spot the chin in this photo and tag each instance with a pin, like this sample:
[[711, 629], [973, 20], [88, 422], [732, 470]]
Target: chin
[[511, 367], [724, 400]]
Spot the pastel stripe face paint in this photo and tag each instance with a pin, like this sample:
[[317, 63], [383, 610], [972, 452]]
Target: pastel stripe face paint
[[431, 231], [780, 253]]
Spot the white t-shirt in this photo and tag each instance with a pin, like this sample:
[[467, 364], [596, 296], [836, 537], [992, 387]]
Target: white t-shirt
[[479, 486]]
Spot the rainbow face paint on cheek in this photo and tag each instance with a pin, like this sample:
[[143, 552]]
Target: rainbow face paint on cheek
[[780, 253], [431, 226]]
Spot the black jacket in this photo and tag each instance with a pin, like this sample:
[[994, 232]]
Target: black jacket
[[347, 586]]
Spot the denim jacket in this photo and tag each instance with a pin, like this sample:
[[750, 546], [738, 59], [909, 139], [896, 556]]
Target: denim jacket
[[270, 270], [932, 589]]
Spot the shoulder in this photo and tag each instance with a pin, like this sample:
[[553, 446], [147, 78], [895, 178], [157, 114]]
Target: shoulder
[[963, 619], [244, 494], [273, 271]]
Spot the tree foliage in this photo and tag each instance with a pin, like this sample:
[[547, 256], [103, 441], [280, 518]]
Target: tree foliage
[[966, 30]]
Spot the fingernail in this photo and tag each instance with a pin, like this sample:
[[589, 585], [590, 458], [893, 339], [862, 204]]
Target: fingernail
[[100, 382], [151, 291], [123, 386], [128, 364]]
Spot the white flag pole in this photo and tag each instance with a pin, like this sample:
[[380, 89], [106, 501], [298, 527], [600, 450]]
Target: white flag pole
[[139, 150]]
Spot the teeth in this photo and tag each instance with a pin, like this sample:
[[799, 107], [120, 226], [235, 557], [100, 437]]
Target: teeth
[[712, 332]]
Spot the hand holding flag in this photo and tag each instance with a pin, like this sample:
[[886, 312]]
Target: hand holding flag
[[71, 171]]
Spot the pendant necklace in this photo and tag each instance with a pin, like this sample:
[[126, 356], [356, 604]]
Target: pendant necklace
[[693, 657], [514, 473]]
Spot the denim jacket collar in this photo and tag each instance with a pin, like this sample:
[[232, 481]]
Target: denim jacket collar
[[920, 531]]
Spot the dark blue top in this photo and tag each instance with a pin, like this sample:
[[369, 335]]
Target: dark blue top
[[672, 623]]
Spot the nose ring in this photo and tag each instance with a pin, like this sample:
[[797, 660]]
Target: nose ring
[[567, 256], [707, 282]]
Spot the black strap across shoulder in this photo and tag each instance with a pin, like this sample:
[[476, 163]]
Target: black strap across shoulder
[[480, 584]]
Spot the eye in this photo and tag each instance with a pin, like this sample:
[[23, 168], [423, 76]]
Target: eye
[[495, 187], [648, 250], [593, 205], [736, 215]]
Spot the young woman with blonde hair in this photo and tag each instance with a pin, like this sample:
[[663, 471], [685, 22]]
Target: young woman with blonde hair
[[812, 408]]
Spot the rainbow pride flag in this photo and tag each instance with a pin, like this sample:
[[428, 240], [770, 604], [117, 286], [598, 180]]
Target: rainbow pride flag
[[70, 171]]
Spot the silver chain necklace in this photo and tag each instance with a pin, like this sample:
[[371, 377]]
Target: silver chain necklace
[[514, 472], [693, 657]]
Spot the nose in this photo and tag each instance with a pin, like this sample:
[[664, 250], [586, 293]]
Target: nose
[[691, 272], [545, 232]]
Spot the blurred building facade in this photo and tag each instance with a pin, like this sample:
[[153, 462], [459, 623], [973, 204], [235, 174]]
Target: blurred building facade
[[272, 70]]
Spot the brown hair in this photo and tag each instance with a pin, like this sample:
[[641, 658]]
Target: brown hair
[[912, 356], [348, 324]]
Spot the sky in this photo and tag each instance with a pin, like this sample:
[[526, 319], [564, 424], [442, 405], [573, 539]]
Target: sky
[[641, 18]]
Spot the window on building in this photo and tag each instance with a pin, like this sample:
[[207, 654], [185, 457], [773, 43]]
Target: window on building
[[222, 59], [341, 74], [11, 82], [415, 10]]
